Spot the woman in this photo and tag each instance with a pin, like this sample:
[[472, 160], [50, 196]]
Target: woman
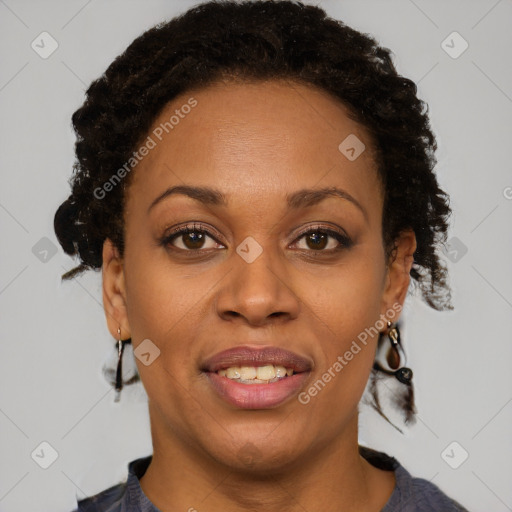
[[256, 182]]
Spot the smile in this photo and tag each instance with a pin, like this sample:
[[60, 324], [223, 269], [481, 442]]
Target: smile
[[256, 378]]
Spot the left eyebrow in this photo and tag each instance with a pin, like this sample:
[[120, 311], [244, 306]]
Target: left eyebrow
[[307, 197]]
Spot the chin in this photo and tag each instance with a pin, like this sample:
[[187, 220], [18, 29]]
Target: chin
[[263, 461], [258, 450]]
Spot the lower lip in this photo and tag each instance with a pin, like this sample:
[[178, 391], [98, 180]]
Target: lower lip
[[257, 396]]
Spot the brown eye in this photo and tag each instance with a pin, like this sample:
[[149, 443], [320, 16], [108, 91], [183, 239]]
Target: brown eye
[[190, 238], [324, 240], [193, 240], [317, 240]]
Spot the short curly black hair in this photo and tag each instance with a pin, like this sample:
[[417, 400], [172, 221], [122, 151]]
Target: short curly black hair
[[258, 40]]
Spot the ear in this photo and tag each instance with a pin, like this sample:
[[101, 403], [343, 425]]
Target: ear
[[114, 292], [398, 274]]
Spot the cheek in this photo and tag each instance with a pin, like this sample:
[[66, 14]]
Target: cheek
[[348, 297], [347, 312], [165, 305]]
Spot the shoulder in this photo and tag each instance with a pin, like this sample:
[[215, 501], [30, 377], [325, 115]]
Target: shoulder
[[411, 494], [121, 497], [420, 495], [108, 500]]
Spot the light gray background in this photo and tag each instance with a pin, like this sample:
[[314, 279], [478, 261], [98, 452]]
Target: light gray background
[[54, 336]]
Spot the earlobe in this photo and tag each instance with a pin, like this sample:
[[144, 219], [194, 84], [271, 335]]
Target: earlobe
[[114, 293], [399, 268]]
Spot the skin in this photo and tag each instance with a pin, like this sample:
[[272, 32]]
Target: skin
[[256, 143]]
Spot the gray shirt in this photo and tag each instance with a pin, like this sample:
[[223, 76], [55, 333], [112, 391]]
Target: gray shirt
[[410, 494]]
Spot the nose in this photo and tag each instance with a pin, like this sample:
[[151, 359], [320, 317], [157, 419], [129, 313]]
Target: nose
[[258, 292]]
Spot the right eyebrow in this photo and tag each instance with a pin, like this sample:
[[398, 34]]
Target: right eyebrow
[[205, 195]]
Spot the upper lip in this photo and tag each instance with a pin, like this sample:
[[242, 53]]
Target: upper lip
[[249, 356]]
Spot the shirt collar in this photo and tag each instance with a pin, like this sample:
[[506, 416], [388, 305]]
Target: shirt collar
[[135, 499]]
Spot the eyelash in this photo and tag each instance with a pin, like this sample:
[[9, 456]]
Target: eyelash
[[344, 240]]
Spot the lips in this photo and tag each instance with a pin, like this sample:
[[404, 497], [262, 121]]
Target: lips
[[248, 356], [253, 394]]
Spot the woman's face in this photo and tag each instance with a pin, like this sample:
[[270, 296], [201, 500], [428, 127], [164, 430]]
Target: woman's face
[[257, 270]]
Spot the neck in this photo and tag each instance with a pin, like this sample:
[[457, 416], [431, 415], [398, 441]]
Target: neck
[[333, 478]]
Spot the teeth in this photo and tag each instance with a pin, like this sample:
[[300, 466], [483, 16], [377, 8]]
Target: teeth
[[281, 371], [233, 372], [266, 372], [248, 373], [256, 374]]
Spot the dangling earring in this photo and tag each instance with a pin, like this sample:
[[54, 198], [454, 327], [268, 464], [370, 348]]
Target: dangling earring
[[391, 361], [396, 356], [113, 370], [119, 370]]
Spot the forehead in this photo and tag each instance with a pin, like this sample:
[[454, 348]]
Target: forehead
[[255, 141]]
